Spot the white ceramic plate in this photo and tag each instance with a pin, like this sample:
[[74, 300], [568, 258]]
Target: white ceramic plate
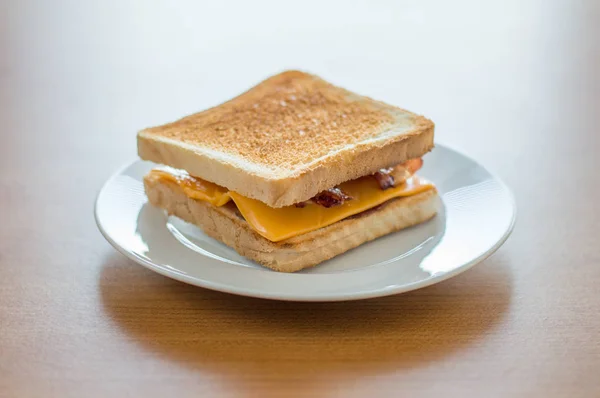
[[475, 218]]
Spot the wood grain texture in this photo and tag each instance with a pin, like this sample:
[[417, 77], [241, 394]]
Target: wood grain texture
[[514, 84]]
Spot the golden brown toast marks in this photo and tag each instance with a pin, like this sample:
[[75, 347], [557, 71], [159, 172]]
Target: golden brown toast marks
[[293, 132], [284, 122]]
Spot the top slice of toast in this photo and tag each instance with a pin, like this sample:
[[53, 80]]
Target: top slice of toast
[[289, 138]]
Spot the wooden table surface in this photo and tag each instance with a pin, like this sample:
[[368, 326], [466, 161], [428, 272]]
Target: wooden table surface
[[515, 84]]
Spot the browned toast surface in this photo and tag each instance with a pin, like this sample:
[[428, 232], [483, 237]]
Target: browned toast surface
[[288, 138]]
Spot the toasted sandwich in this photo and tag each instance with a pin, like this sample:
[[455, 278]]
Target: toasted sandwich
[[294, 171]]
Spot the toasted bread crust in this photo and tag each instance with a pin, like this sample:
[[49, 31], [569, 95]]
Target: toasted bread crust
[[289, 138], [303, 251]]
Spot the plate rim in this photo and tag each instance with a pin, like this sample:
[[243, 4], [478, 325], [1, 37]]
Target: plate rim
[[360, 295]]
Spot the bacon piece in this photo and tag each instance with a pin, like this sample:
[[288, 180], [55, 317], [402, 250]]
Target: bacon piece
[[331, 197], [385, 178], [388, 178]]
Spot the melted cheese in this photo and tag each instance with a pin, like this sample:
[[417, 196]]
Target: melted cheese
[[277, 224], [193, 187]]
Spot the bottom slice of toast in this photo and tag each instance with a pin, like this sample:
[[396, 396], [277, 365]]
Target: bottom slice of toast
[[227, 225]]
